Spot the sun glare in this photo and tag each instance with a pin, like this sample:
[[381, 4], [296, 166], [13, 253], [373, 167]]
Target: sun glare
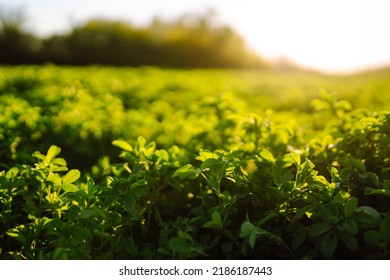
[[331, 36]]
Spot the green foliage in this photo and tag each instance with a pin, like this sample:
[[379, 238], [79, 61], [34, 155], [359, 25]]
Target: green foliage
[[187, 42], [198, 176]]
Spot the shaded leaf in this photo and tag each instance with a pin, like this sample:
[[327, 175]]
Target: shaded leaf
[[349, 240], [350, 206], [216, 219], [210, 162], [252, 239], [366, 217], [246, 229], [320, 229], [179, 245], [329, 244], [384, 230], [298, 240]]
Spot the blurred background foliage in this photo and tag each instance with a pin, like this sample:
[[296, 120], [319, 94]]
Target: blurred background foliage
[[190, 41]]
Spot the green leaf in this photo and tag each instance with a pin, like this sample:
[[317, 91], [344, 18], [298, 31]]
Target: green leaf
[[129, 201], [246, 229], [216, 219], [296, 157], [266, 218], [210, 162], [354, 163], [334, 173], [70, 188], [184, 235], [55, 179], [252, 239], [59, 161], [351, 226], [210, 224], [57, 168], [372, 237], [86, 213], [281, 175], [215, 223], [303, 210], [320, 229], [204, 154], [102, 234], [370, 120], [52, 153], [19, 234], [298, 240], [267, 155], [123, 145], [386, 184], [366, 217], [373, 179], [340, 197], [349, 240], [130, 246], [73, 213], [186, 172], [179, 245], [384, 230], [138, 183], [3, 182], [91, 187], [141, 142], [371, 191], [345, 173], [38, 155], [139, 188], [162, 155], [350, 206], [70, 177], [11, 173], [329, 244]]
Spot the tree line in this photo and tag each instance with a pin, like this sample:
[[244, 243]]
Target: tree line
[[186, 42]]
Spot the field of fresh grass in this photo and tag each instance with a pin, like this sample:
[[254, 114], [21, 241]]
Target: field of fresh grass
[[139, 163]]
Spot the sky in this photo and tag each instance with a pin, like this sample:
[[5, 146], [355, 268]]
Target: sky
[[333, 36]]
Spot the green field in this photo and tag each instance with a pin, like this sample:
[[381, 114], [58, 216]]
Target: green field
[[146, 163]]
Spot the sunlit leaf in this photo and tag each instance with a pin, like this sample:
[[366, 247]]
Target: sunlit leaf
[[70, 177], [70, 188], [296, 157], [123, 145], [186, 172], [52, 153]]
